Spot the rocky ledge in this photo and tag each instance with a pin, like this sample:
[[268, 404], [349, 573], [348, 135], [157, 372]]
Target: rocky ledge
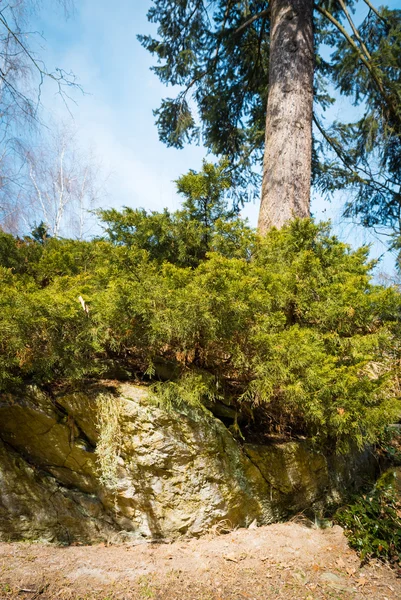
[[109, 464]]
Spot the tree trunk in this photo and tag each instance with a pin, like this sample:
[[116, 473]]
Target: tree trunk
[[288, 145]]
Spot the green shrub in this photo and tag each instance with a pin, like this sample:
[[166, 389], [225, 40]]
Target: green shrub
[[184, 237], [289, 329], [372, 523], [44, 334]]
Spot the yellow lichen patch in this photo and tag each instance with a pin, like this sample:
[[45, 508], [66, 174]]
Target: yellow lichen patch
[[110, 439]]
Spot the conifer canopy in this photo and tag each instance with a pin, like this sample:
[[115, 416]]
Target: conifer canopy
[[218, 54]]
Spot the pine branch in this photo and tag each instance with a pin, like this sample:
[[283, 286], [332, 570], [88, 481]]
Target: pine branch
[[393, 107], [370, 182], [354, 29], [376, 12], [263, 13], [215, 59]]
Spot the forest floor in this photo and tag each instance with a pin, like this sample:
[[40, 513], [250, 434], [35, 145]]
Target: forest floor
[[288, 561]]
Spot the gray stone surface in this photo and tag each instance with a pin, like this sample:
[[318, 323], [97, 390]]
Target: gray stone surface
[[176, 472]]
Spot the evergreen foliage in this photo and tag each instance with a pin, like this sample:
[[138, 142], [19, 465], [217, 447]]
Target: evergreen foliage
[[288, 330], [205, 222], [367, 152], [372, 521], [218, 55]]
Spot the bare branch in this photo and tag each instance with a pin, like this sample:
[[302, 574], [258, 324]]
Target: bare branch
[[263, 13], [370, 180], [39, 194], [65, 183]]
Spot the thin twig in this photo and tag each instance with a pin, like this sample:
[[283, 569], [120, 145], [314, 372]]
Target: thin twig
[[373, 9]]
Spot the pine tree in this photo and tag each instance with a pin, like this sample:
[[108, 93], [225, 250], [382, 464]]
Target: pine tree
[[232, 59], [204, 224]]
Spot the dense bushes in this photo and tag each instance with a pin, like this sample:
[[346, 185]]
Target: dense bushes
[[289, 330], [372, 522]]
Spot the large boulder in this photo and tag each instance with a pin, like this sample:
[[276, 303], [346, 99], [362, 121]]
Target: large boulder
[[112, 464]]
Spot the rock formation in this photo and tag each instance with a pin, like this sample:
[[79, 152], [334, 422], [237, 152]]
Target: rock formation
[[146, 472]]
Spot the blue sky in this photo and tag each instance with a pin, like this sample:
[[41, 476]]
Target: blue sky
[[98, 43], [115, 116]]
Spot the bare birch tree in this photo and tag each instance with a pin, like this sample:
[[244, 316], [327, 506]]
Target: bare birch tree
[[22, 76], [64, 184]]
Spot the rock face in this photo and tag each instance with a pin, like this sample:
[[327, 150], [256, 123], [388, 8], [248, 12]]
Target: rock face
[[144, 472]]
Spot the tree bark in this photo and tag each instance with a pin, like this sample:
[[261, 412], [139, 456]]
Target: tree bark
[[288, 144]]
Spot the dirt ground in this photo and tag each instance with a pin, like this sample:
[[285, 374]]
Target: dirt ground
[[281, 561]]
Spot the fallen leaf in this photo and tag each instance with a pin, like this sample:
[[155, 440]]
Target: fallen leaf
[[340, 563]]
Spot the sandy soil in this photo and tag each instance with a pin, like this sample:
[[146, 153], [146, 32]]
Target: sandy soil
[[281, 561]]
